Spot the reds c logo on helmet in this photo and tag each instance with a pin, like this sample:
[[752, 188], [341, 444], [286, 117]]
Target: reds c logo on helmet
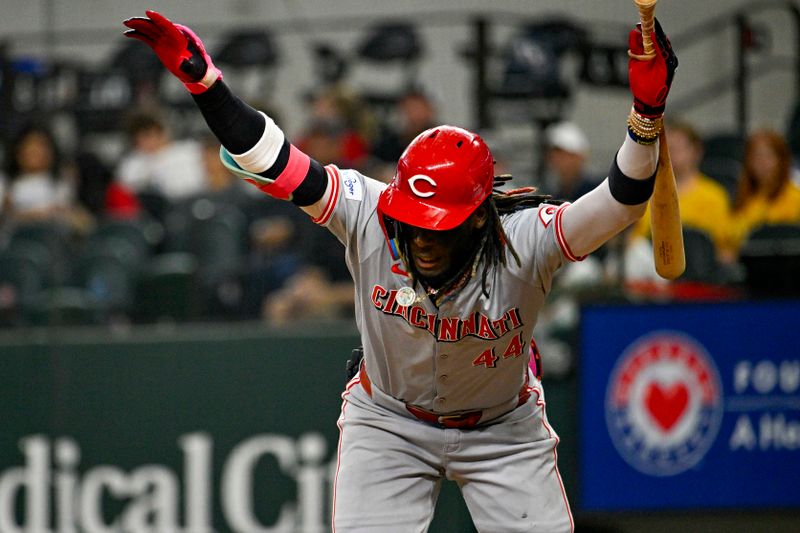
[[442, 177], [412, 182]]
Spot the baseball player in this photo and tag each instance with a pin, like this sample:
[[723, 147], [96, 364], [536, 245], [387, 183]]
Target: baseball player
[[449, 277]]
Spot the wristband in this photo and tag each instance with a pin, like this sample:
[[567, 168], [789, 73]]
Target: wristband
[[642, 129]]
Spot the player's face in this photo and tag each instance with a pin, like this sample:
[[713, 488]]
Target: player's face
[[439, 255]]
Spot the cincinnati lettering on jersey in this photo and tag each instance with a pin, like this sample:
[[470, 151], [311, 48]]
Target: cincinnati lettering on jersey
[[447, 329]]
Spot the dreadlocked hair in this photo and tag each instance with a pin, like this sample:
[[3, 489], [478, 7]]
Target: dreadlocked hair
[[494, 240]]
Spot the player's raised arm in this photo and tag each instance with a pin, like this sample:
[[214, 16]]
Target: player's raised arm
[[254, 146], [622, 198]]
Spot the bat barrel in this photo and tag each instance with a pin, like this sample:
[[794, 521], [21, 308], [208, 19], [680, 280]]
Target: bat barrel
[[665, 219]]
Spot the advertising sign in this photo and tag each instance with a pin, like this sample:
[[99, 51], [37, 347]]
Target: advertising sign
[[690, 406], [207, 429]]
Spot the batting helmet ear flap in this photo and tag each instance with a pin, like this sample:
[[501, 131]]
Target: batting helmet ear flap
[[390, 232]]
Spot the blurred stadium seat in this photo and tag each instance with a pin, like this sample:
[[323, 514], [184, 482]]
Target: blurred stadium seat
[[723, 169], [108, 269], [154, 204], [66, 306], [701, 260], [168, 289], [532, 60], [23, 278], [723, 153], [56, 241], [771, 258], [724, 144], [216, 235], [247, 48], [142, 236]]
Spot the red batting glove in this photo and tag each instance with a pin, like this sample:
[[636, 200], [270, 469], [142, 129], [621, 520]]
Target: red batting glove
[[178, 48], [651, 80]]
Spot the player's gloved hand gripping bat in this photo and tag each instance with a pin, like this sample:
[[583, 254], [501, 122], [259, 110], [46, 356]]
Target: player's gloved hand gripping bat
[[651, 68]]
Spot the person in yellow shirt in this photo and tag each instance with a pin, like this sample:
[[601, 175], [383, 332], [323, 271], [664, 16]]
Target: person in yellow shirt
[[766, 193], [704, 202]]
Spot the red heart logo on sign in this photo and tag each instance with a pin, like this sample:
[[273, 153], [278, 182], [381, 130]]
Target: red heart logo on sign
[[666, 404]]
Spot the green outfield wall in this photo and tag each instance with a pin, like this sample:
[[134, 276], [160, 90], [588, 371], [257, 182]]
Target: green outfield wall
[[179, 430]]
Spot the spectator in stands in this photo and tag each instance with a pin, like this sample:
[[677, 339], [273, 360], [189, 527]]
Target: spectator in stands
[[98, 193], [566, 174], [309, 294], [338, 129], [766, 194], [281, 282], [273, 259], [704, 202], [278, 271], [329, 139], [220, 184], [414, 112], [38, 189], [159, 164]]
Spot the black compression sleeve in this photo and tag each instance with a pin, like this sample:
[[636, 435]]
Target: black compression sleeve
[[237, 125], [627, 190], [313, 186]]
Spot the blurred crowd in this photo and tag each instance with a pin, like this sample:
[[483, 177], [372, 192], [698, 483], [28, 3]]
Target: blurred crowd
[[165, 232], [740, 211]]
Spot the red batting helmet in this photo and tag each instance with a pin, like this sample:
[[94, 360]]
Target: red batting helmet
[[442, 177]]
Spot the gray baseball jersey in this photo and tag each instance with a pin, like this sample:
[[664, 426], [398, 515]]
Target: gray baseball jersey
[[469, 354], [472, 352]]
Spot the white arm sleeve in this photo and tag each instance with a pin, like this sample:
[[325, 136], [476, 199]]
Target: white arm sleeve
[[597, 216], [263, 155]]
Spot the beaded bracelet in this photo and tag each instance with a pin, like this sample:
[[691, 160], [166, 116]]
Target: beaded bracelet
[[644, 130]]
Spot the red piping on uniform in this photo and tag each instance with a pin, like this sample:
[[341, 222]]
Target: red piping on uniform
[[540, 403], [333, 178], [562, 242], [353, 382]]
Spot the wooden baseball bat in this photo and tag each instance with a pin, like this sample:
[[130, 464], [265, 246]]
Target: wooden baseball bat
[[665, 218], [647, 10], [665, 215]]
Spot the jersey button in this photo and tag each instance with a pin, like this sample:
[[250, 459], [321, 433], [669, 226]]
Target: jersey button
[[443, 355], [443, 378]]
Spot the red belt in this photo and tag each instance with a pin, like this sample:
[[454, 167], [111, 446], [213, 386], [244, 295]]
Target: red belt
[[462, 420], [465, 420]]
